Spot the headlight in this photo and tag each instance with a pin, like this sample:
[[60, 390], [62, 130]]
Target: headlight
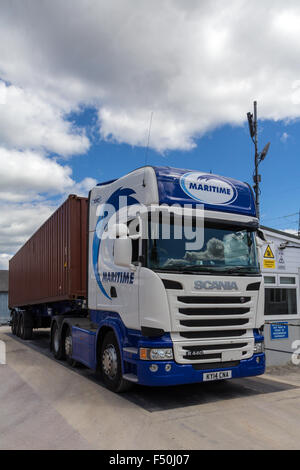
[[157, 354], [259, 347]]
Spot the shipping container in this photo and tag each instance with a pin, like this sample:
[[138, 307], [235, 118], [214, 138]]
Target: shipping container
[[51, 266]]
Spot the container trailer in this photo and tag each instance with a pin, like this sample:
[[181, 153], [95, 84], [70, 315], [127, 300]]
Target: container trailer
[[154, 279]]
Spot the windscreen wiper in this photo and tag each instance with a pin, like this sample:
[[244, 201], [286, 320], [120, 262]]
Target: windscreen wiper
[[235, 269]]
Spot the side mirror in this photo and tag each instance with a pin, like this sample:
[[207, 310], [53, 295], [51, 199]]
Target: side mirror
[[123, 252]]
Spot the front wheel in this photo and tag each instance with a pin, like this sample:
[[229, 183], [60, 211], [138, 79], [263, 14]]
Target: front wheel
[[68, 347], [111, 365]]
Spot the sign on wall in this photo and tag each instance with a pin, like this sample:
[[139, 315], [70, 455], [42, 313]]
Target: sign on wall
[[279, 330], [269, 258], [280, 259]]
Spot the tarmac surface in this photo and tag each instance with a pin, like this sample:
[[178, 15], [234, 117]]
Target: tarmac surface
[[46, 404]]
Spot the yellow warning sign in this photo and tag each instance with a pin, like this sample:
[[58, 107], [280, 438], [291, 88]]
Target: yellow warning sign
[[269, 253], [269, 263]]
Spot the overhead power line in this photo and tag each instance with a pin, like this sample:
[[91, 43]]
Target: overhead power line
[[282, 216]]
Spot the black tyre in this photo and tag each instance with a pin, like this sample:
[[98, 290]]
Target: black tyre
[[21, 326], [56, 342], [14, 323], [27, 328], [110, 363], [27, 333], [68, 348], [22, 329], [18, 324]]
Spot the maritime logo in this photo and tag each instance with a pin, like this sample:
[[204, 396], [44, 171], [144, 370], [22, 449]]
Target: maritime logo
[[209, 189]]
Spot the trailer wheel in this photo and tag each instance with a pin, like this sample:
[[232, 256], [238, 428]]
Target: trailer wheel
[[14, 323], [25, 330], [111, 367], [18, 324], [21, 326], [56, 343], [27, 333], [68, 348]]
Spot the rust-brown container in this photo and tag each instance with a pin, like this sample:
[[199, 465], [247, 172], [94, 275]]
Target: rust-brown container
[[52, 264]]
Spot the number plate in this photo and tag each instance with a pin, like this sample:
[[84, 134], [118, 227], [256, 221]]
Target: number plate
[[220, 375]]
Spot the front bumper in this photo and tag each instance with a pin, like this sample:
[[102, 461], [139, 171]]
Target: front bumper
[[186, 373]]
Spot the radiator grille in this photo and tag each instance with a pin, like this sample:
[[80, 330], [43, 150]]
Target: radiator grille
[[212, 329], [213, 311], [188, 299]]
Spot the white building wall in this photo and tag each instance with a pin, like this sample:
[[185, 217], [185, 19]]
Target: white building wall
[[286, 264]]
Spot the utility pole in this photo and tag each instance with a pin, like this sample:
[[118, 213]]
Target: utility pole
[[258, 157], [299, 225], [256, 177]]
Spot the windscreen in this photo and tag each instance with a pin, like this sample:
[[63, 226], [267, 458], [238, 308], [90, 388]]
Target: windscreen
[[225, 249]]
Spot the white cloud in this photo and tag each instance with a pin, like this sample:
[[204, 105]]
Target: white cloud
[[291, 230], [83, 187], [28, 173], [27, 180], [284, 137], [18, 222], [27, 121]]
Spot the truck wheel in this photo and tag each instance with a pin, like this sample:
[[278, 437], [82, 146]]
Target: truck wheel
[[23, 331], [27, 330], [14, 323], [68, 347], [56, 343], [27, 333], [18, 324], [111, 365], [21, 326]]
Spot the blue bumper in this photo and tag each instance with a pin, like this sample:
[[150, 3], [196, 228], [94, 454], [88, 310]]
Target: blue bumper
[[186, 374]]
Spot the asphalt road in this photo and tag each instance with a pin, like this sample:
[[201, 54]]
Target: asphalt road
[[45, 404]]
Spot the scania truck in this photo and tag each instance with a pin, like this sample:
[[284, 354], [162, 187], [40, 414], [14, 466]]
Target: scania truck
[[156, 281]]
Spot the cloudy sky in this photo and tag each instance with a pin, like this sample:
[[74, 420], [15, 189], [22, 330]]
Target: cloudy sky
[[80, 80]]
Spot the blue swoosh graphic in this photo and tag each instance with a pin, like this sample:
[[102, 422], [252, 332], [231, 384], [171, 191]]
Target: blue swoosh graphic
[[113, 200]]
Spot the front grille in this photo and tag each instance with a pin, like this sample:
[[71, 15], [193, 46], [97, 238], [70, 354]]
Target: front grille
[[213, 300], [213, 328], [212, 334], [213, 311], [216, 365], [212, 323], [211, 347]]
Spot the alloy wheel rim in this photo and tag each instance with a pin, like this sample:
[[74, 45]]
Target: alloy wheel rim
[[110, 361], [68, 346]]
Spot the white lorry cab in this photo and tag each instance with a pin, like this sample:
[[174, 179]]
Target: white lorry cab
[[175, 292]]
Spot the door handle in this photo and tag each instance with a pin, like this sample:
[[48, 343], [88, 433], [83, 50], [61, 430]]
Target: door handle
[[113, 292]]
